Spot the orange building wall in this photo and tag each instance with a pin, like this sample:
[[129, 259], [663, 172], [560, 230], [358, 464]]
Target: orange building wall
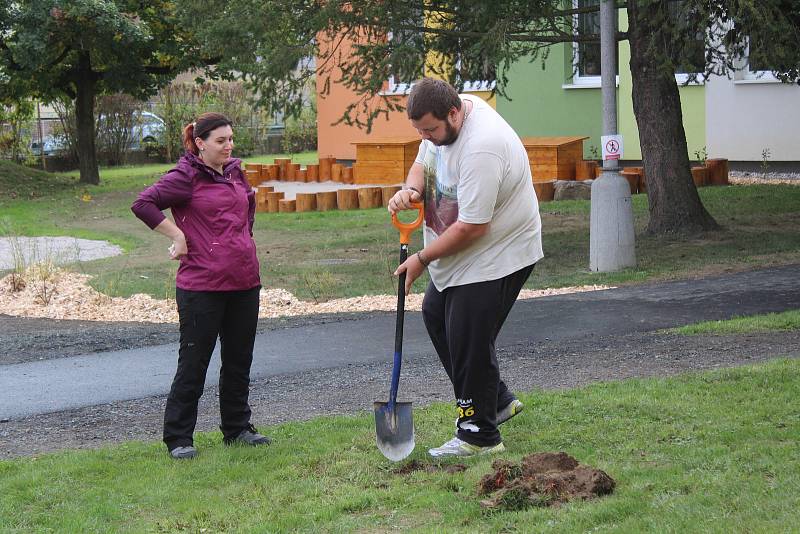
[[337, 141]]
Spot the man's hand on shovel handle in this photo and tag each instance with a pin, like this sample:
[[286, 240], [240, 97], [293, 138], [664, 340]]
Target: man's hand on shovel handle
[[413, 268], [402, 200]]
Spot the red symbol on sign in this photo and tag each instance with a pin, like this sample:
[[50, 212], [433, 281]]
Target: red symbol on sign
[[612, 149]]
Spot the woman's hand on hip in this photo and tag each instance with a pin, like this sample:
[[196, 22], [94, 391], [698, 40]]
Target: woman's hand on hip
[[178, 248]]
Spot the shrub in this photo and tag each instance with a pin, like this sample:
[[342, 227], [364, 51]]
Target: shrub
[[180, 103]]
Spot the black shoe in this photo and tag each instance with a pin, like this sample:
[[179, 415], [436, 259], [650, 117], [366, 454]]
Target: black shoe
[[249, 436], [183, 453], [511, 409]]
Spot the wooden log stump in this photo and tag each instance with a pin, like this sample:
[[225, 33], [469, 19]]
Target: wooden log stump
[[301, 175], [263, 173], [252, 177], [266, 188], [273, 172], [640, 187], [700, 176], [544, 190], [631, 174], [261, 199], [287, 206], [585, 169], [252, 167], [336, 172], [312, 173], [598, 171], [717, 171], [347, 199], [282, 164], [306, 201], [291, 172], [369, 197], [387, 193], [272, 200], [326, 200], [325, 165], [347, 175]]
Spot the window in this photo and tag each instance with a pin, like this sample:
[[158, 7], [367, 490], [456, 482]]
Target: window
[[757, 63], [689, 53], [586, 55], [476, 81], [405, 49], [396, 86]]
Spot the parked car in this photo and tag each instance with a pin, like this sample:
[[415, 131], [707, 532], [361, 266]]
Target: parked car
[[50, 145], [148, 128]]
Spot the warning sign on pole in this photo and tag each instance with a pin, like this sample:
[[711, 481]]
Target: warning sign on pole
[[612, 146]]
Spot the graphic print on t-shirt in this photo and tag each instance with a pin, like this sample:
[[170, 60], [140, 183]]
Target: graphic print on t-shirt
[[441, 192]]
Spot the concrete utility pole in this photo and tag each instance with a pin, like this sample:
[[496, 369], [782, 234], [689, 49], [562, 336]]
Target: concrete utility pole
[[612, 244]]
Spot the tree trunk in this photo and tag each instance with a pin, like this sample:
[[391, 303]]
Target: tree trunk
[[675, 206], [85, 85]]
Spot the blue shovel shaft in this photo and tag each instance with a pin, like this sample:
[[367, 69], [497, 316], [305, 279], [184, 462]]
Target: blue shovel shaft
[[398, 332]]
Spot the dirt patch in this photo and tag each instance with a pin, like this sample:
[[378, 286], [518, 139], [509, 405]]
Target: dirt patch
[[416, 465], [542, 479]]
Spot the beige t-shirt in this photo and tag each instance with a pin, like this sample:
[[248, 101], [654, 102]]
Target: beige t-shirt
[[483, 177]]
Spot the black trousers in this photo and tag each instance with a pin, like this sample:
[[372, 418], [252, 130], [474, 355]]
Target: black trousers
[[205, 315], [463, 323]]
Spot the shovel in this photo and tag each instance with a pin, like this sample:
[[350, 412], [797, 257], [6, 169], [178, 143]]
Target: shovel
[[394, 423]]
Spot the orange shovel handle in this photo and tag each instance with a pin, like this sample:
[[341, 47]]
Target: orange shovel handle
[[407, 228]]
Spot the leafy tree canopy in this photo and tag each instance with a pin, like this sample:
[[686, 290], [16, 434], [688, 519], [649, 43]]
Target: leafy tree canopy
[[125, 46], [462, 40]]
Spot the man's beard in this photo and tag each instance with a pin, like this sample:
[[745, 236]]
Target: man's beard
[[451, 136]]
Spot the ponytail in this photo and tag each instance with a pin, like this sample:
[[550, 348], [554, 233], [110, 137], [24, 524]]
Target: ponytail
[[188, 139]]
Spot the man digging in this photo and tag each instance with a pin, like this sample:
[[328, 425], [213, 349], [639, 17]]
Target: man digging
[[482, 238]]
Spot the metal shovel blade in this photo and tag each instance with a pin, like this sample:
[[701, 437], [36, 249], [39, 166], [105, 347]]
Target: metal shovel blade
[[394, 429]]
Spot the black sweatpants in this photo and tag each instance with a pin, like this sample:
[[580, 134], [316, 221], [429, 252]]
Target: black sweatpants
[[463, 323], [205, 315]]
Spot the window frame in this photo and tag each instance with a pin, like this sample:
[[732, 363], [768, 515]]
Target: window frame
[[577, 80], [754, 76], [682, 78]]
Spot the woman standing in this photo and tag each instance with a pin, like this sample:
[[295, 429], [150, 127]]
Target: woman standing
[[217, 282]]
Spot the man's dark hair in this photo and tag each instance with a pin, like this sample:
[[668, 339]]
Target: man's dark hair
[[433, 96]]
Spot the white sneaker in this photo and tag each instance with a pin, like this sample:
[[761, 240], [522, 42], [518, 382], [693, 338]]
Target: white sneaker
[[458, 447]]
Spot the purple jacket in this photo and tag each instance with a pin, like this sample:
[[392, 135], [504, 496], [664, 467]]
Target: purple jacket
[[216, 214]]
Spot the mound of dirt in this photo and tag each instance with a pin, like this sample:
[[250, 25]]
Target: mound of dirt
[[543, 479]]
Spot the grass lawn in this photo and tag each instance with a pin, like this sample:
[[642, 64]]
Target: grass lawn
[[770, 322], [338, 254], [713, 451]]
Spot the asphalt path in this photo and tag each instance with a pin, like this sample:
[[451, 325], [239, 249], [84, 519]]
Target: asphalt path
[[99, 378]]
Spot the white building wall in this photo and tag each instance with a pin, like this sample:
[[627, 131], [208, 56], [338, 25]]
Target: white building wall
[[744, 117]]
